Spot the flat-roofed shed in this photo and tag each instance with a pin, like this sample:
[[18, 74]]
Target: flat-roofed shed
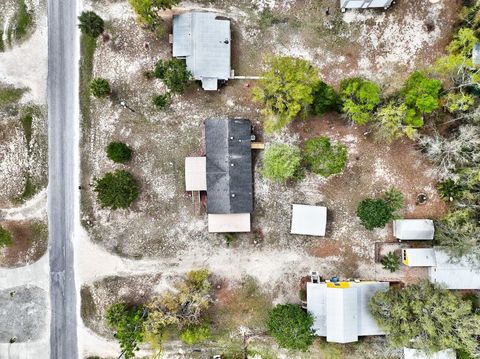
[[229, 166], [365, 4]]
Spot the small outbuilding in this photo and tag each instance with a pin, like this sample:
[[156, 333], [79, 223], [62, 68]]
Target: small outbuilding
[[309, 220], [195, 174], [418, 354], [476, 54], [203, 40], [365, 4], [340, 310], [418, 257], [456, 274], [413, 229]]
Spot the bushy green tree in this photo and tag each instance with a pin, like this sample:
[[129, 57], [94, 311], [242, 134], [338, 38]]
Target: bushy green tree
[[282, 162], [427, 317], [325, 99], [174, 74], [161, 101], [421, 92], [394, 198], [285, 90], [128, 325], [394, 120], [119, 152], [99, 87], [117, 189], [91, 24], [196, 334], [391, 262], [324, 158], [463, 42], [455, 102], [374, 213], [291, 326], [360, 97], [147, 10], [450, 190], [5, 238]]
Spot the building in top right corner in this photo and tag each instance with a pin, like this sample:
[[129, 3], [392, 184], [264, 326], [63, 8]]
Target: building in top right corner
[[365, 4]]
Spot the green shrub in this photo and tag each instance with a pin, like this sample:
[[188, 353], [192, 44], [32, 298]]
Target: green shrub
[[174, 74], [128, 325], [394, 120], [421, 92], [91, 24], [147, 10], [5, 238], [323, 158], [10, 95], [196, 334], [119, 152], [291, 326], [99, 87], [374, 213], [394, 198], [282, 162], [161, 101], [325, 99], [117, 189], [24, 20], [360, 97], [229, 238], [391, 262], [450, 190]]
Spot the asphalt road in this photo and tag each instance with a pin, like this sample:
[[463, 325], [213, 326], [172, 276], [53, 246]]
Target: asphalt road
[[62, 93]]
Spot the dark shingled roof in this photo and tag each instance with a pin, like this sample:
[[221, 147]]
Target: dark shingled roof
[[229, 166]]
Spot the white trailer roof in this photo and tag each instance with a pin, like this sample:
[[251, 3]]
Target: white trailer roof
[[341, 312], [365, 4], [418, 354], [416, 229], [418, 257], [309, 220], [195, 173], [454, 275], [229, 223]]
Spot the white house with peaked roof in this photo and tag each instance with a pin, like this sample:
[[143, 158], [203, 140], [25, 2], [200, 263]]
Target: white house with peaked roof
[[413, 229], [203, 39], [340, 310]]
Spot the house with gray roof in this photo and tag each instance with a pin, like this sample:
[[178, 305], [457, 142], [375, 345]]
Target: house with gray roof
[[229, 166], [203, 39], [365, 4]]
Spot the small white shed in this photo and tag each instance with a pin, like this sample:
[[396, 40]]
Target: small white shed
[[418, 257], [418, 354], [195, 174], [413, 229], [309, 220], [365, 4]]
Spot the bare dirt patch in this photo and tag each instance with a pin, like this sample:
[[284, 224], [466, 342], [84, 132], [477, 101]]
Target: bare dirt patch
[[30, 241]]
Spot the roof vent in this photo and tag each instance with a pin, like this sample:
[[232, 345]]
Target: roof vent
[[233, 195]]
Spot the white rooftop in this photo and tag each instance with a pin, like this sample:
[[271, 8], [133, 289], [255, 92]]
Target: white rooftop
[[454, 275], [418, 354], [418, 257], [203, 39], [195, 174], [416, 229], [365, 4], [341, 312], [229, 223], [309, 220]]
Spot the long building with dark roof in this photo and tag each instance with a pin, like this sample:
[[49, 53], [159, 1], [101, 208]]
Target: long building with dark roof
[[229, 166]]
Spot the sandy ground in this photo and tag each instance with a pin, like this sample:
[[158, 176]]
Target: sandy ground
[[160, 235]]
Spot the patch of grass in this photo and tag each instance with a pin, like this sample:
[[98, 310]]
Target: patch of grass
[[10, 95], [2, 43], [27, 120], [24, 20], [29, 190], [88, 309]]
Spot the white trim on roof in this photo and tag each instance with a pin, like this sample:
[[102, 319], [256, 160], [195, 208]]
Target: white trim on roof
[[229, 223]]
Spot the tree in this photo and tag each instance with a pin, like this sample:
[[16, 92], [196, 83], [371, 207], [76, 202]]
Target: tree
[[324, 158], [99, 87], [91, 24], [455, 102], [180, 309], [5, 238], [463, 42], [391, 262], [147, 10], [281, 163], [128, 325], [290, 326], [117, 189], [119, 152], [374, 213], [394, 120], [421, 92], [359, 97], [285, 90], [174, 74], [394, 198], [325, 99], [161, 101], [427, 317], [196, 334], [450, 190]]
